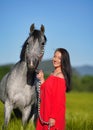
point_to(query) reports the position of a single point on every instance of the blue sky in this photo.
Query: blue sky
(68, 24)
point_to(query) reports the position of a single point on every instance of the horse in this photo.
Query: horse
(17, 88)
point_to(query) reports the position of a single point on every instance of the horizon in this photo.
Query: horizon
(83, 65)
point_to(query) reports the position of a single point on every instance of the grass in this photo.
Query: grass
(79, 114)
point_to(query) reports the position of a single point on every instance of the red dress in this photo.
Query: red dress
(53, 100)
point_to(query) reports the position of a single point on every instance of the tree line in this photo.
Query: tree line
(79, 83)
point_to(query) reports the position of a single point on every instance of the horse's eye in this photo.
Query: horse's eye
(43, 43)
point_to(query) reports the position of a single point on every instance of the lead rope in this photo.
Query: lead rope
(43, 122)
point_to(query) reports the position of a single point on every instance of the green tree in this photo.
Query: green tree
(87, 83)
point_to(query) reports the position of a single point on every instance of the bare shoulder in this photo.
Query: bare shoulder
(60, 75)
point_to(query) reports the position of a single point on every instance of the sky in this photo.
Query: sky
(68, 24)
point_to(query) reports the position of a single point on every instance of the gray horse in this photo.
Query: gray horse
(17, 88)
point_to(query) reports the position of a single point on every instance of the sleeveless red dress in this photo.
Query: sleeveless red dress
(53, 101)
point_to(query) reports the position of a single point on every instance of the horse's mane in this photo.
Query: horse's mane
(22, 54)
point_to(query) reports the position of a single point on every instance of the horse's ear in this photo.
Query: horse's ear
(32, 28)
(42, 29)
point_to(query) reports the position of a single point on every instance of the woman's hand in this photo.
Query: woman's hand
(40, 76)
(52, 122)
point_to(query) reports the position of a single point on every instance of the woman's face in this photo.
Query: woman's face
(57, 59)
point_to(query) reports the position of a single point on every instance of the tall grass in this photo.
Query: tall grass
(79, 114)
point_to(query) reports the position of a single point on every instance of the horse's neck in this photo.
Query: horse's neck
(19, 70)
(22, 67)
(28, 75)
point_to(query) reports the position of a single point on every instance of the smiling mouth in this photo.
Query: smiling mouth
(55, 63)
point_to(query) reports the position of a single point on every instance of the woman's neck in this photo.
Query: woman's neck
(57, 71)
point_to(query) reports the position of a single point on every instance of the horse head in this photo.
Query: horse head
(33, 48)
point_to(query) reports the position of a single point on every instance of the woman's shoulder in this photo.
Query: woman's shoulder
(57, 77)
(60, 75)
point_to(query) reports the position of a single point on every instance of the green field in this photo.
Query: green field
(79, 114)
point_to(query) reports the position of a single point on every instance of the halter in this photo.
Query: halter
(42, 121)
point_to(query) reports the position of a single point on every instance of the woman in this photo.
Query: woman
(53, 92)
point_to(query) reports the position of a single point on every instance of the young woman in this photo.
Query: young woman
(53, 92)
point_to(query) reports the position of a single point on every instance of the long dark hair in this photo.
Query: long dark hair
(65, 67)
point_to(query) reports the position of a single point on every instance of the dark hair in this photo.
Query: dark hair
(65, 67)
